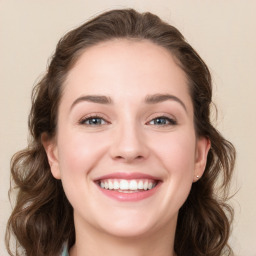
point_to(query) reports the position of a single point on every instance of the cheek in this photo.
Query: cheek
(78, 152)
(177, 152)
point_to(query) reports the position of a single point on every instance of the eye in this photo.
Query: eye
(162, 121)
(93, 121)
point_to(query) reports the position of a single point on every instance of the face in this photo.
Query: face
(126, 149)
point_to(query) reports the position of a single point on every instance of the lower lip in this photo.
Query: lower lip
(128, 197)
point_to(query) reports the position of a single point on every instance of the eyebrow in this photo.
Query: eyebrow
(92, 98)
(150, 99)
(158, 98)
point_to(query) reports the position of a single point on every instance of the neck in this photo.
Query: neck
(93, 242)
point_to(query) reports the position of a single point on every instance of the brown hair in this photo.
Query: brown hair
(42, 219)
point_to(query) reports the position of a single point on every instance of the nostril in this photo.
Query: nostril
(128, 158)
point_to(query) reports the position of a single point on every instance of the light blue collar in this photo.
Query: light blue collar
(65, 251)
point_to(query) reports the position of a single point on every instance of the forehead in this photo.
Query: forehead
(123, 67)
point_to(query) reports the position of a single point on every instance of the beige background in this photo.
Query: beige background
(222, 31)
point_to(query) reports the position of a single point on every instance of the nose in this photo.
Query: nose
(129, 144)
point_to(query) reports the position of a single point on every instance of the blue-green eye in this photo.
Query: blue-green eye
(162, 121)
(93, 121)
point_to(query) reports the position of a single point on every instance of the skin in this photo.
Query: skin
(126, 139)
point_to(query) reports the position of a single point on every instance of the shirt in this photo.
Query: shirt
(65, 251)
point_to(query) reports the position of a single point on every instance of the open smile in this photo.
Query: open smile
(128, 187)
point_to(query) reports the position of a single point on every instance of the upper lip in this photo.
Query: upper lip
(127, 176)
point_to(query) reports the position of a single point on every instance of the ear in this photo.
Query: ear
(52, 154)
(203, 146)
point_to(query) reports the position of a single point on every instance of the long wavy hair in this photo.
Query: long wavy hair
(42, 219)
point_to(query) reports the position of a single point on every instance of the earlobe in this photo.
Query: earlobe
(202, 148)
(50, 148)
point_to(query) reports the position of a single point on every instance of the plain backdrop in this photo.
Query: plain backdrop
(222, 31)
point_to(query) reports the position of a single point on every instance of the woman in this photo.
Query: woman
(123, 158)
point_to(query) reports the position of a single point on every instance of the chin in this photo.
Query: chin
(134, 224)
(129, 231)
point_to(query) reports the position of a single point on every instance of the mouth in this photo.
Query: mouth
(128, 187)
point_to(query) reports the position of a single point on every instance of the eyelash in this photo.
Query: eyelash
(90, 118)
(167, 121)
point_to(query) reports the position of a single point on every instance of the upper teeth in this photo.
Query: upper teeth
(127, 184)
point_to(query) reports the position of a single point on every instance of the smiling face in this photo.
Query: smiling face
(125, 148)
